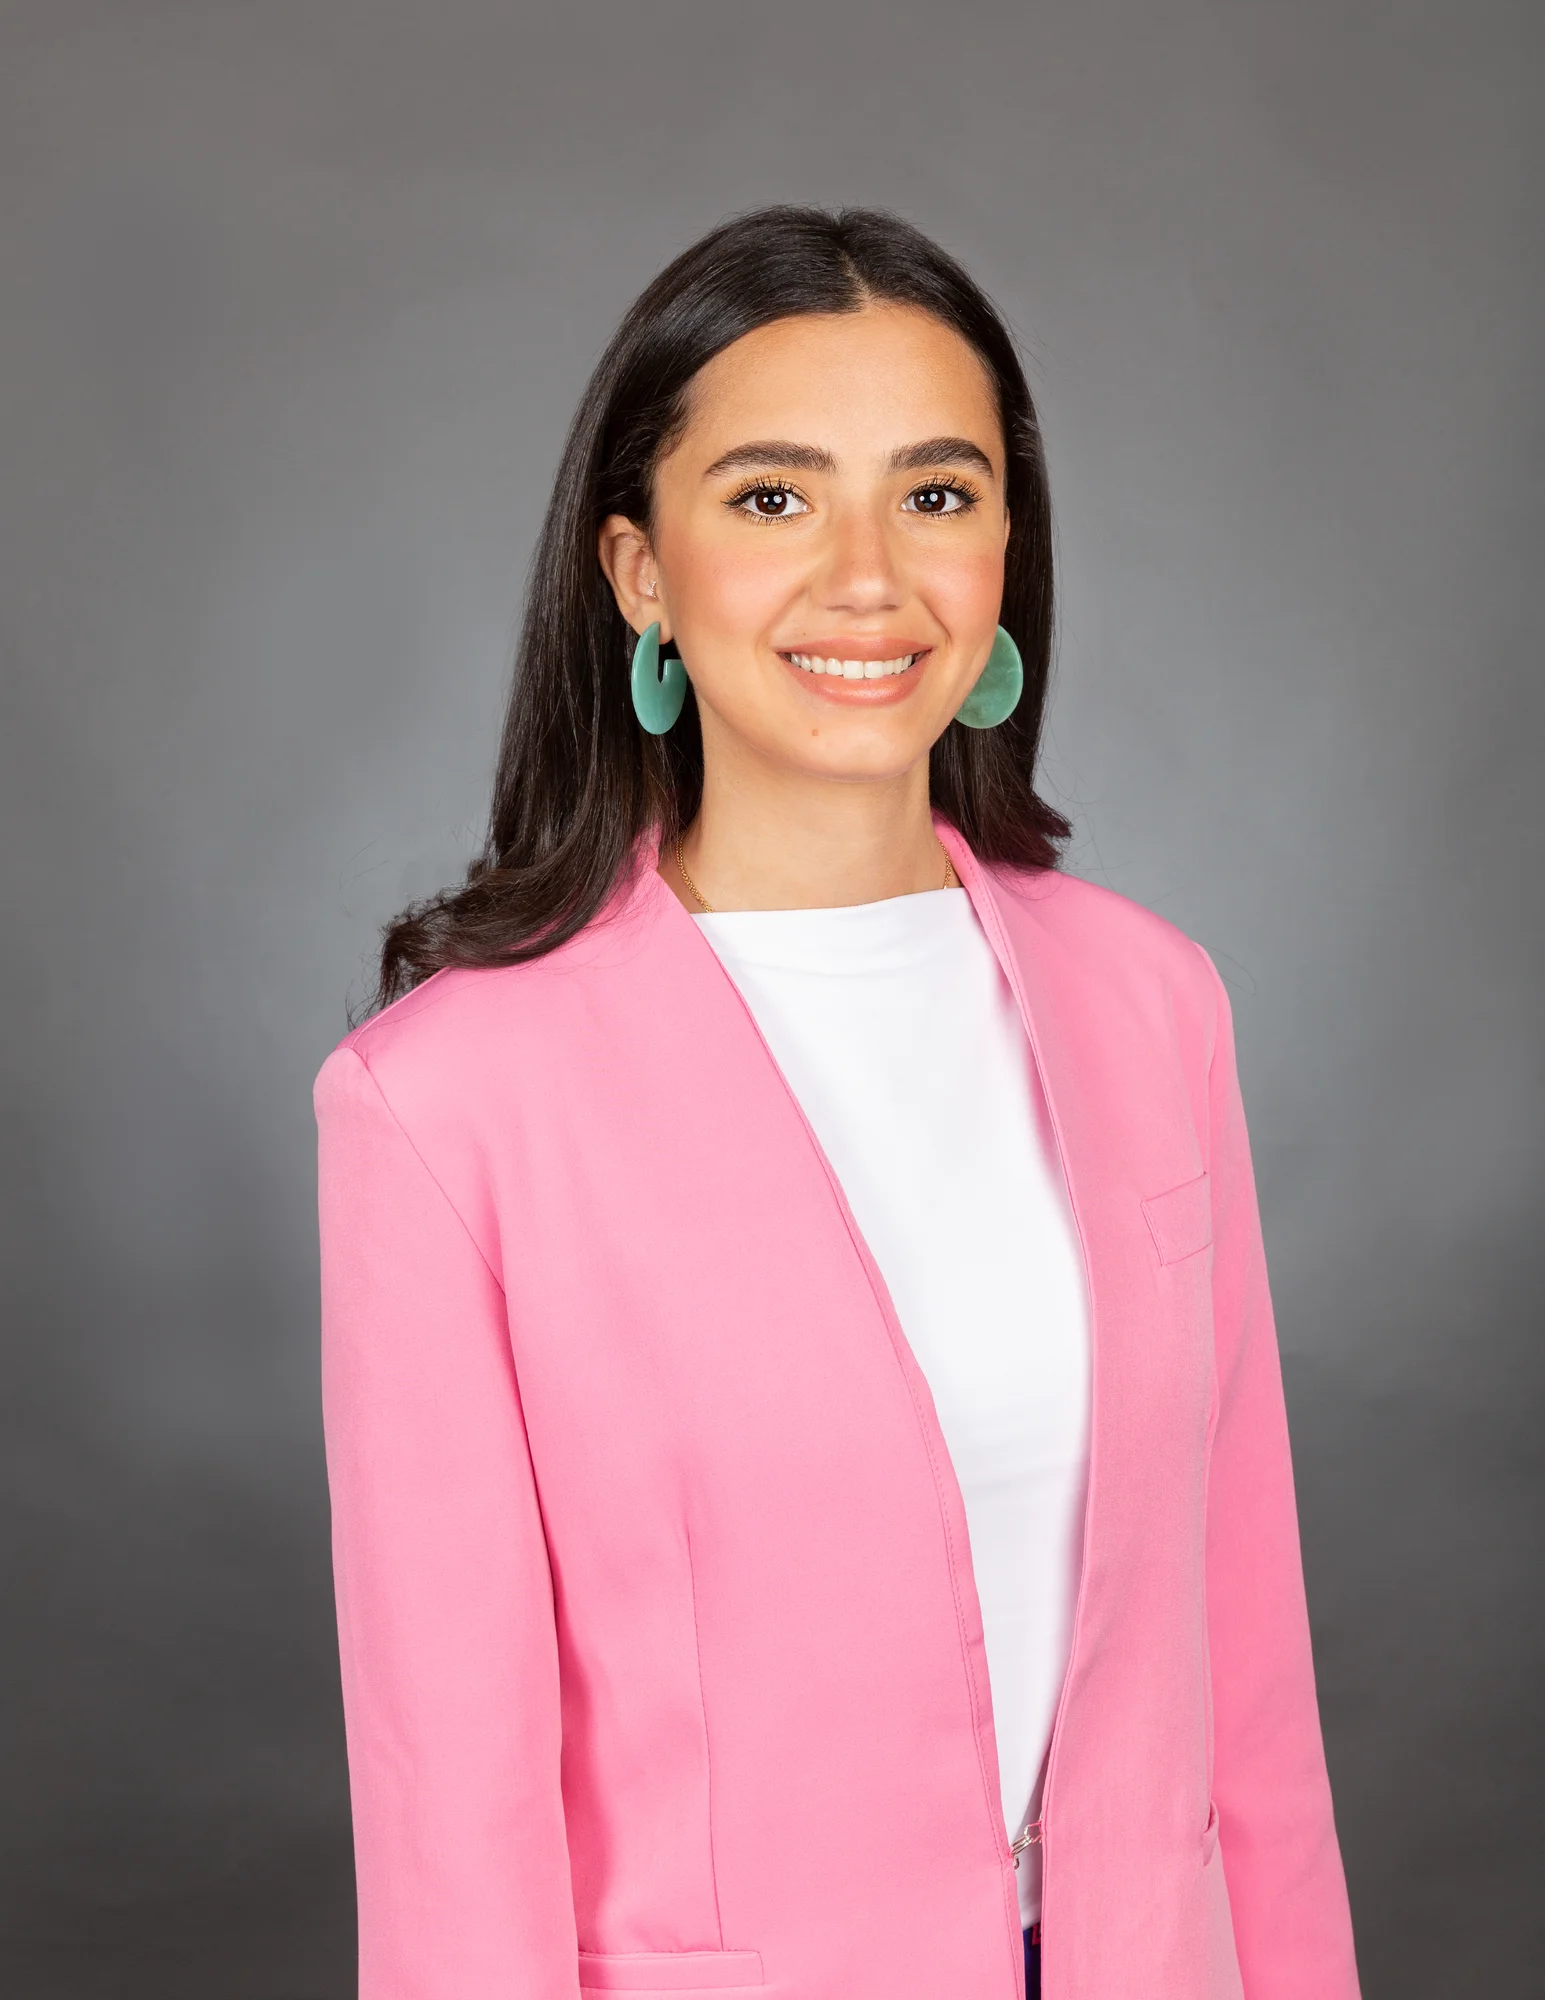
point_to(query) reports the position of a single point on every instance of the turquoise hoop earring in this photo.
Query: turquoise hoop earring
(658, 692)
(998, 687)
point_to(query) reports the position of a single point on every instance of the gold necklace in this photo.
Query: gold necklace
(951, 879)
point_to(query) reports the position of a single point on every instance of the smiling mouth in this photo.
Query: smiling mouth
(853, 670)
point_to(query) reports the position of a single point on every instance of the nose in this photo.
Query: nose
(858, 571)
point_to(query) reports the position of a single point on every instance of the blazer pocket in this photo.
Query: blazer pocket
(1210, 1834)
(668, 1972)
(1180, 1219)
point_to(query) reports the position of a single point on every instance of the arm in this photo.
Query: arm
(445, 1610)
(1276, 1833)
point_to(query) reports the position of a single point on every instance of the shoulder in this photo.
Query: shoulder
(432, 1046)
(435, 1052)
(1103, 935)
(1102, 918)
(416, 1033)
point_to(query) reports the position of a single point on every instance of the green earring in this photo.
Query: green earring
(998, 687)
(657, 693)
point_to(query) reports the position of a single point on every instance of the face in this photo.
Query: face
(828, 543)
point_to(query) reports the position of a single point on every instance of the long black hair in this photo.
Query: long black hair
(578, 780)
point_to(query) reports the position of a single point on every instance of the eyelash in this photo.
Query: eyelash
(738, 500)
(969, 496)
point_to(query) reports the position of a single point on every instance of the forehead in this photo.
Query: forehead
(858, 384)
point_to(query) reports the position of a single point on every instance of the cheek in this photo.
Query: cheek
(742, 591)
(963, 583)
(730, 584)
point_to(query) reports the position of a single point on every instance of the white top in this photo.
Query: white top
(899, 1036)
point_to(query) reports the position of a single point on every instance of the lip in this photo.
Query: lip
(889, 646)
(878, 692)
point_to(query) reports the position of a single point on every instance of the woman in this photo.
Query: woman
(812, 1498)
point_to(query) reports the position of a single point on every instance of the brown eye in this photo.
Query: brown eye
(770, 503)
(935, 500)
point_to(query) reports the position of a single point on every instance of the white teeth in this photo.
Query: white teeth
(852, 670)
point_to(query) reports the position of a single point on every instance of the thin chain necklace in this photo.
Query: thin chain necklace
(951, 879)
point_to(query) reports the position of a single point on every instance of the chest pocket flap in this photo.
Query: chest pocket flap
(1180, 1219)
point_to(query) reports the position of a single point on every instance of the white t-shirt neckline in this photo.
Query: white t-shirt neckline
(847, 938)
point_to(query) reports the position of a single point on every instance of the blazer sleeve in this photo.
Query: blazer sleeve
(1276, 1830)
(446, 1629)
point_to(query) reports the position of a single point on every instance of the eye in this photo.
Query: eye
(773, 502)
(941, 497)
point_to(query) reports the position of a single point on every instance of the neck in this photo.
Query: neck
(790, 841)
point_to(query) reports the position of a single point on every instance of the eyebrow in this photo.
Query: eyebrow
(812, 458)
(941, 451)
(774, 451)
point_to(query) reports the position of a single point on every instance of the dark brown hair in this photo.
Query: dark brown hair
(578, 780)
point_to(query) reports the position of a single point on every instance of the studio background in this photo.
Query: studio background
(298, 300)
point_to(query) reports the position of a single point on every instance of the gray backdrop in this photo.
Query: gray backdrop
(298, 299)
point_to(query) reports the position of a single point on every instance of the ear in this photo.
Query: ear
(633, 574)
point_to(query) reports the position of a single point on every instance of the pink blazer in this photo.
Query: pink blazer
(662, 1659)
